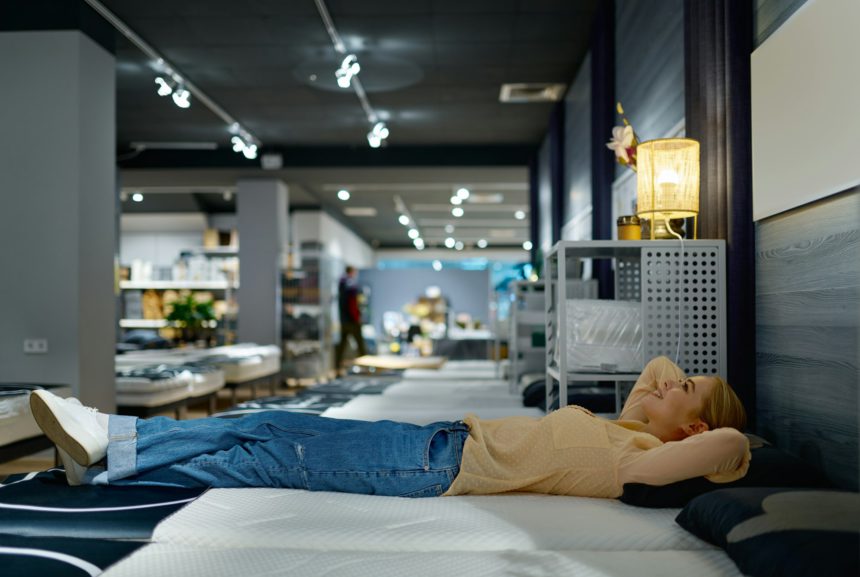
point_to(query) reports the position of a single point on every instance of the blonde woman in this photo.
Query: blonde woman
(673, 427)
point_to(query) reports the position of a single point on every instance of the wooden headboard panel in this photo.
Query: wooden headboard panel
(807, 325)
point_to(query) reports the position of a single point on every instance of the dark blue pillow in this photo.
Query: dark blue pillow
(769, 467)
(782, 531)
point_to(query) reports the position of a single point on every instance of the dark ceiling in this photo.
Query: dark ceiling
(432, 69)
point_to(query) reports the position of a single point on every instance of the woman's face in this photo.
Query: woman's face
(675, 404)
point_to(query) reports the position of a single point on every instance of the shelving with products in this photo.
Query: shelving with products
(205, 274)
(526, 338)
(675, 289)
(306, 323)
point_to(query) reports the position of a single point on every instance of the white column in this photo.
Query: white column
(57, 228)
(261, 207)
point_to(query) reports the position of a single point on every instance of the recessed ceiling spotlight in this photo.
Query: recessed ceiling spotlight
(482, 243)
(404, 220)
(449, 228)
(137, 197)
(527, 245)
(437, 265)
(455, 200)
(463, 193)
(450, 242)
(459, 245)
(343, 194)
(419, 243)
(457, 211)
(227, 195)
(519, 215)
(413, 233)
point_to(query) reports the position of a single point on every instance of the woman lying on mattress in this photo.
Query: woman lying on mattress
(671, 428)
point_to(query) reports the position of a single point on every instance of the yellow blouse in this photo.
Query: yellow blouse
(573, 452)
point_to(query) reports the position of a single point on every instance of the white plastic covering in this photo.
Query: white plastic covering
(604, 336)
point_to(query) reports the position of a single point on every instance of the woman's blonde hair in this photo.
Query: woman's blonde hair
(723, 408)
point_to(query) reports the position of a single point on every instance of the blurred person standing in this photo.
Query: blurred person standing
(350, 315)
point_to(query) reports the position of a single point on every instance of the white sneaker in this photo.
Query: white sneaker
(74, 472)
(74, 428)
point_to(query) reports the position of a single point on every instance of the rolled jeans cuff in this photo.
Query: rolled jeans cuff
(122, 447)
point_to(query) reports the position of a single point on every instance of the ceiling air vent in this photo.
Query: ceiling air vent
(531, 92)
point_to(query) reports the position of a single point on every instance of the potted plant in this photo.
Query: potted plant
(193, 318)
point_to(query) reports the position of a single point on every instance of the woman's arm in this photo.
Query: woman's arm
(721, 456)
(655, 371)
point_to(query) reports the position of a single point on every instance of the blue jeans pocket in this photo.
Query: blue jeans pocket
(431, 491)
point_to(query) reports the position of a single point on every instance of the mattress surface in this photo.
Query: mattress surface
(185, 561)
(60, 556)
(206, 382)
(152, 399)
(44, 505)
(151, 385)
(451, 373)
(16, 420)
(395, 362)
(225, 518)
(425, 415)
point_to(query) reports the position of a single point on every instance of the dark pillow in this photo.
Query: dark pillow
(782, 531)
(769, 467)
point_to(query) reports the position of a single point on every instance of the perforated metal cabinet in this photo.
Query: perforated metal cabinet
(680, 287)
(528, 312)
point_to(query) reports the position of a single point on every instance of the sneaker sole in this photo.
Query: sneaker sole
(43, 413)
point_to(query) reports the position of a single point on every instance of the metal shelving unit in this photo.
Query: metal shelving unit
(527, 314)
(307, 321)
(678, 285)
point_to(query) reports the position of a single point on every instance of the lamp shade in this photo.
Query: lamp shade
(667, 181)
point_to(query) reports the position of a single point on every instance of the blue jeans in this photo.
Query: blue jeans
(283, 449)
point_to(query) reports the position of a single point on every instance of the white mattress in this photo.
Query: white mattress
(153, 398)
(188, 561)
(426, 401)
(239, 370)
(449, 388)
(447, 372)
(145, 385)
(420, 415)
(246, 361)
(271, 518)
(204, 383)
(16, 420)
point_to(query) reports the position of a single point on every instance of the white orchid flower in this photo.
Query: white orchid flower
(622, 140)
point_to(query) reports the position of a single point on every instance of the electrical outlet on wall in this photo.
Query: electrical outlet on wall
(35, 346)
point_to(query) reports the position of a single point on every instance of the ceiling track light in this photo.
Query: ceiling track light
(181, 97)
(165, 87)
(347, 75)
(168, 73)
(377, 135)
(349, 68)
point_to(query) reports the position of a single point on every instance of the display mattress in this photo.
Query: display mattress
(308, 520)
(255, 531)
(395, 362)
(242, 363)
(16, 420)
(190, 561)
